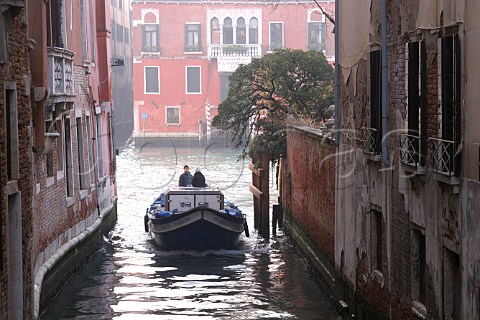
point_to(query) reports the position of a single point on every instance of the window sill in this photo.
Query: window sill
(173, 124)
(450, 180)
(70, 201)
(50, 181)
(193, 52)
(419, 310)
(193, 93)
(83, 193)
(60, 175)
(378, 276)
(373, 157)
(415, 169)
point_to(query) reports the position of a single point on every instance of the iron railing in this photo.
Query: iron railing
(410, 150)
(370, 140)
(445, 157)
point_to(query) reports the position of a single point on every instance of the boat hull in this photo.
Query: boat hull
(200, 228)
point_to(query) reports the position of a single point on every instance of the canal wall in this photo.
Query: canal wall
(308, 197)
(69, 257)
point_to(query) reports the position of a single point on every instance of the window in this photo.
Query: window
(92, 31)
(150, 38)
(450, 95)
(59, 142)
(224, 86)
(253, 31)
(413, 144)
(193, 80)
(68, 158)
(127, 35)
(49, 128)
(418, 254)
(376, 240)
(316, 35)
(192, 37)
(55, 24)
(119, 32)
(99, 145)
(374, 138)
(227, 31)
(241, 32)
(173, 115)
(12, 133)
(215, 31)
(80, 154)
(452, 285)
(84, 30)
(152, 80)
(90, 149)
(276, 35)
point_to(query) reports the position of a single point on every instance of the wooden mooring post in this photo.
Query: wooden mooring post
(261, 196)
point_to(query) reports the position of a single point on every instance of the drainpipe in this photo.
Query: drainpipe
(337, 74)
(384, 85)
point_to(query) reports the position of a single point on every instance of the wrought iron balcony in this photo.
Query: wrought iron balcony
(445, 157)
(234, 50)
(371, 141)
(60, 74)
(410, 149)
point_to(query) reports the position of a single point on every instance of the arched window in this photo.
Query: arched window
(241, 31)
(253, 31)
(215, 31)
(227, 31)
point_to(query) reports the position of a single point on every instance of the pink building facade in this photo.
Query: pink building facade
(185, 52)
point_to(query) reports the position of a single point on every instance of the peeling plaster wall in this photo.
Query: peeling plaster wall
(445, 213)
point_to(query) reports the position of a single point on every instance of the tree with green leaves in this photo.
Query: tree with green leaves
(269, 93)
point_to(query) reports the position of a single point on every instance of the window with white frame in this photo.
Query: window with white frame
(150, 38)
(172, 115)
(316, 30)
(253, 31)
(192, 37)
(241, 31)
(193, 79)
(227, 31)
(80, 153)
(152, 80)
(276, 35)
(68, 158)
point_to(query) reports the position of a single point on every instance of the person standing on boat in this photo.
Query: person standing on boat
(198, 179)
(186, 177)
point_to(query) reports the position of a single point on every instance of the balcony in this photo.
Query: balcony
(445, 157)
(411, 154)
(234, 50)
(371, 143)
(60, 71)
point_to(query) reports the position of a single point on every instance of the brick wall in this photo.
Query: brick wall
(16, 70)
(311, 194)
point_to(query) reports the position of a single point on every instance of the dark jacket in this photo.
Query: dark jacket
(185, 179)
(198, 180)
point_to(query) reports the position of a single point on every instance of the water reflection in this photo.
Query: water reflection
(129, 278)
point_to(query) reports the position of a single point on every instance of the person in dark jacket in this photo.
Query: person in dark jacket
(186, 177)
(198, 179)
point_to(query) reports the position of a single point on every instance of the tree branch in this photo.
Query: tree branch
(329, 17)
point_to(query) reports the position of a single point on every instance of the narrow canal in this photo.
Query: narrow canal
(129, 278)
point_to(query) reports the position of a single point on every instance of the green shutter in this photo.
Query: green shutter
(143, 36)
